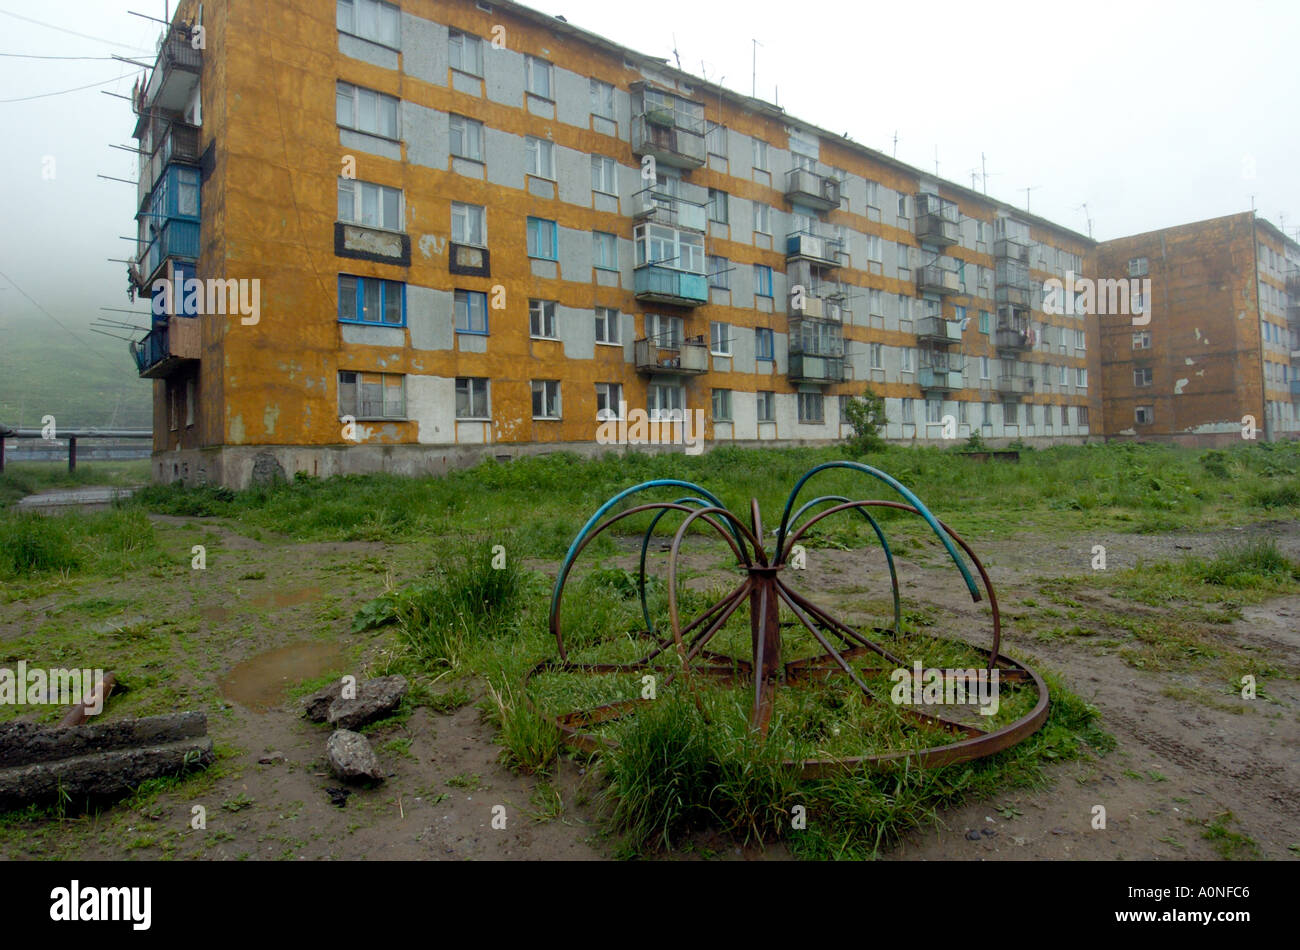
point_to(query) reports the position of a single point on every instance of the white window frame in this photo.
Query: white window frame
(609, 326)
(468, 43)
(535, 67)
(661, 409)
(725, 415)
(765, 405)
(761, 155)
(549, 390)
(468, 128)
(604, 175)
(541, 313)
(762, 218)
(539, 156)
(473, 391)
(367, 19)
(387, 410)
(602, 241)
(719, 338)
(466, 219)
(600, 92)
(612, 395)
(355, 95)
(358, 190)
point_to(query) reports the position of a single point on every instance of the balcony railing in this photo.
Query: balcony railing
(177, 239)
(938, 330)
(179, 143)
(1295, 388)
(825, 307)
(167, 346)
(938, 378)
(687, 211)
(1012, 338)
(805, 187)
(937, 220)
(816, 337)
(1015, 385)
(1293, 314)
(811, 246)
(931, 278)
(816, 369)
(687, 358)
(175, 74)
(1011, 250)
(657, 284)
(672, 144)
(1293, 282)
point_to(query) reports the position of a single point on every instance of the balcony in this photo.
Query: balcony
(178, 143)
(177, 239)
(1295, 389)
(810, 246)
(806, 368)
(167, 346)
(1293, 283)
(1015, 385)
(937, 220)
(673, 137)
(939, 379)
(687, 211)
(1012, 338)
(828, 306)
(687, 358)
(938, 330)
(1011, 250)
(656, 284)
(1293, 314)
(804, 186)
(175, 74)
(934, 279)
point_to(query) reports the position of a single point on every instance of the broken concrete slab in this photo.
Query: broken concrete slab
(375, 699)
(100, 761)
(351, 758)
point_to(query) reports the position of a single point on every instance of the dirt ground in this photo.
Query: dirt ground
(1180, 766)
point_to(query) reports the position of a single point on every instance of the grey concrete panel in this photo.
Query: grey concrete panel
(429, 317)
(361, 142)
(367, 52)
(504, 76)
(424, 49)
(426, 135)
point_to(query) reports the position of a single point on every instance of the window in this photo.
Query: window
(604, 175)
(366, 110)
(466, 138)
(719, 272)
(537, 75)
(664, 402)
(659, 246)
(371, 205)
(1139, 267)
(985, 369)
(1081, 416)
(720, 338)
(812, 408)
(541, 319)
(909, 412)
(764, 347)
(762, 280)
(984, 321)
(468, 224)
(370, 300)
(604, 250)
(875, 302)
(959, 314)
(1010, 413)
(1142, 376)
(1081, 377)
(722, 405)
(472, 398)
(541, 239)
(369, 19)
(902, 206)
(372, 395)
(766, 406)
(718, 208)
(903, 263)
(877, 356)
(1064, 379)
(963, 413)
(546, 399)
(602, 99)
(471, 312)
(664, 331)
(933, 410)
(760, 155)
(187, 192)
(607, 325)
(1143, 415)
(539, 158)
(904, 307)
(715, 139)
(465, 53)
(762, 218)
(905, 359)
(1080, 340)
(875, 248)
(873, 194)
(609, 398)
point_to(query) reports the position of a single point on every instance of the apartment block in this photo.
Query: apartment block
(423, 233)
(1216, 352)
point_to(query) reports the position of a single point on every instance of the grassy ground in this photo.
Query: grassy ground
(27, 478)
(463, 630)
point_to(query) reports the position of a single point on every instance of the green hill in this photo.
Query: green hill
(82, 380)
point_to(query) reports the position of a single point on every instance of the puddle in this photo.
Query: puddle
(260, 683)
(287, 598)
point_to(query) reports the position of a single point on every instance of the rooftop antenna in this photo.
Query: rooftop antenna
(936, 161)
(676, 55)
(754, 94)
(895, 143)
(1027, 191)
(1087, 217)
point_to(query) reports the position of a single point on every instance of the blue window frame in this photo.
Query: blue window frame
(541, 239)
(960, 314)
(372, 301)
(763, 346)
(471, 312)
(762, 280)
(984, 321)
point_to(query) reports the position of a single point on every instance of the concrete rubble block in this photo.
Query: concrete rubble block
(316, 707)
(351, 758)
(40, 764)
(375, 699)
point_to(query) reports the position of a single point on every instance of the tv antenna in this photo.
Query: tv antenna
(1027, 191)
(1086, 216)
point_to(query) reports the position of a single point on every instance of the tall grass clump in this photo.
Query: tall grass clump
(107, 542)
(1251, 564)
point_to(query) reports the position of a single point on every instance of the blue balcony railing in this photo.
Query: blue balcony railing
(666, 285)
(177, 239)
